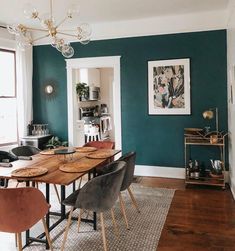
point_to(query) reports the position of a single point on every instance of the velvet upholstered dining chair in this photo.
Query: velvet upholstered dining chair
(97, 195)
(26, 153)
(20, 209)
(129, 158)
(5, 160)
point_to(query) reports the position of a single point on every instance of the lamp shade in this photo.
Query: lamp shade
(208, 114)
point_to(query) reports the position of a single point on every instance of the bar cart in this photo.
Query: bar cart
(197, 137)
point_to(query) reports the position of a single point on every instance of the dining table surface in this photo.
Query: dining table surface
(53, 162)
(55, 176)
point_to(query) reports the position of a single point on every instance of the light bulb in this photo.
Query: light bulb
(13, 29)
(30, 11)
(67, 51)
(84, 30)
(47, 21)
(23, 42)
(72, 11)
(85, 41)
(60, 44)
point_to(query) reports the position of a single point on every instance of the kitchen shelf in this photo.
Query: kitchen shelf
(205, 140)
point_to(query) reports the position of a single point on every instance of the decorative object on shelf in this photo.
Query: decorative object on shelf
(55, 142)
(82, 91)
(51, 29)
(169, 87)
(210, 114)
(217, 166)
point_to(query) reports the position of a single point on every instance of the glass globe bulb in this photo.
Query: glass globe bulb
(59, 45)
(84, 30)
(46, 20)
(73, 10)
(13, 29)
(67, 51)
(85, 41)
(30, 11)
(22, 42)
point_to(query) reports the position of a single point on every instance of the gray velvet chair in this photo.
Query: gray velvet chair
(97, 195)
(129, 158)
(5, 160)
(24, 151)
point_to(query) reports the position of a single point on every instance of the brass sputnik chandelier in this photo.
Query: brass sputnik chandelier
(51, 29)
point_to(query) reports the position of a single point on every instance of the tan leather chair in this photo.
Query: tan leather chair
(101, 144)
(20, 209)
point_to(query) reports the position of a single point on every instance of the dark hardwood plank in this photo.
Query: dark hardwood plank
(199, 218)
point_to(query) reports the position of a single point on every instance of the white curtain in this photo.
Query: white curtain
(24, 74)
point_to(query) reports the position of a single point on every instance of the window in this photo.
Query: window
(8, 113)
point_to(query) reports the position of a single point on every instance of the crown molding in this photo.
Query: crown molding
(203, 21)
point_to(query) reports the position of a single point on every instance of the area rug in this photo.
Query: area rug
(145, 227)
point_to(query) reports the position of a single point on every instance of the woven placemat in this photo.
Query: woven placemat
(76, 167)
(48, 152)
(101, 154)
(86, 149)
(27, 172)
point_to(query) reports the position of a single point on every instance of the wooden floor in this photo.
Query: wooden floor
(199, 218)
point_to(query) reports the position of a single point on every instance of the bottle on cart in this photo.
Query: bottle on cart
(191, 169)
(196, 170)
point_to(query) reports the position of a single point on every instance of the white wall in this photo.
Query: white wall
(106, 91)
(231, 100)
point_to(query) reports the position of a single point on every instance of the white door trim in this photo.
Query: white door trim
(94, 62)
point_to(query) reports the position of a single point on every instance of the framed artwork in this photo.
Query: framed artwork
(169, 87)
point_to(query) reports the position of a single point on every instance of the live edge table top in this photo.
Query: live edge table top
(53, 163)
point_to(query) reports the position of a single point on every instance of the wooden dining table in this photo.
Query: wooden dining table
(55, 176)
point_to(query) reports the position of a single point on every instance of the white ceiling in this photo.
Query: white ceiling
(104, 11)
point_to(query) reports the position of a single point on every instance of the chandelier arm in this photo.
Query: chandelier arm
(61, 22)
(36, 29)
(38, 38)
(66, 34)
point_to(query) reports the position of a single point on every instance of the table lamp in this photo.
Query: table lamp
(210, 114)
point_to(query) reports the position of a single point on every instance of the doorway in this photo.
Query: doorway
(74, 64)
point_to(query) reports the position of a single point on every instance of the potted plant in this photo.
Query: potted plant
(82, 91)
(55, 142)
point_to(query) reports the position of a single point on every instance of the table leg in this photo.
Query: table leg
(62, 196)
(27, 234)
(48, 214)
(74, 186)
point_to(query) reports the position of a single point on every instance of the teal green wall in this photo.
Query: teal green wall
(158, 140)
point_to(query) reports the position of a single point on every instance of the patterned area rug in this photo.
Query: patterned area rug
(145, 227)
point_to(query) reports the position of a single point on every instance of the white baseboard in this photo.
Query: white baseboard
(160, 171)
(170, 172)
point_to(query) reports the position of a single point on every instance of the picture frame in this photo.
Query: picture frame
(169, 87)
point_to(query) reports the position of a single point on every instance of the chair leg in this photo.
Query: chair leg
(114, 223)
(133, 199)
(67, 228)
(103, 232)
(19, 241)
(80, 183)
(47, 233)
(79, 218)
(57, 193)
(123, 210)
(16, 240)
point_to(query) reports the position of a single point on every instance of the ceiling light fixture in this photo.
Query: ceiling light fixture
(51, 28)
